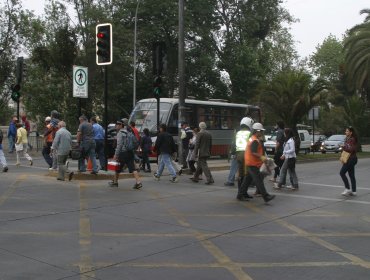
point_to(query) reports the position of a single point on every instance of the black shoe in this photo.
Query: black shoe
(269, 197)
(248, 196)
(60, 179)
(138, 186)
(195, 180)
(113, 184)
(180, 172)
(209, 182)
(70, 176)
(5, 169)
(94, 173)
(242, 197)
(228, 184)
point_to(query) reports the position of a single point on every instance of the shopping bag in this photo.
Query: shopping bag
(19, 147)
(344, 157)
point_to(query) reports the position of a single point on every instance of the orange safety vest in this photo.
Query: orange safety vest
(249, 158)
(50, 136)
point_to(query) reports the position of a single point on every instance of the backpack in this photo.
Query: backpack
(131, 143)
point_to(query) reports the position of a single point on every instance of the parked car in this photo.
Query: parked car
(270, 145)
(333, 144)
(315, 147)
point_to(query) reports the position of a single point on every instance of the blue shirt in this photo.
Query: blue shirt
(12, 131)
(98, 131)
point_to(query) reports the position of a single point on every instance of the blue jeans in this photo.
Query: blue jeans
(233, 168)
(165, 160)
(349, 167)
(87, 151)
(11, 142)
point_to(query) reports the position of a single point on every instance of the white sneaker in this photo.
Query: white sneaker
(276, 186)
(353, 193)
(346, 192)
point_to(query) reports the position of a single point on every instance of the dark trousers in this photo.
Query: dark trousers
(185, 152)
(279, 163)
(145, 160)
(349, 167)
(192, 165)
(203, 166)
(46, 154)
(99, 150)
(254, 175)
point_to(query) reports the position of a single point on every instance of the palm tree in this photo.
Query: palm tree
(291, 94)
(357, 55)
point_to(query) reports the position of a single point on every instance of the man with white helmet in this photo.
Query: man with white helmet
(254, 158)
(241, 141)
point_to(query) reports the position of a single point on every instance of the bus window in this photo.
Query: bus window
(173, 120)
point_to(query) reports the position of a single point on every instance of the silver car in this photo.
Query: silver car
(333, 144)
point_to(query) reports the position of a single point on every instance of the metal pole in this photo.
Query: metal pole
(106, 115)
(181, 62)
(313, 129)
(135, 67)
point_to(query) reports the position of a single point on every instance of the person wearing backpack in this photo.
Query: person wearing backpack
(165, 147)
(124, 154)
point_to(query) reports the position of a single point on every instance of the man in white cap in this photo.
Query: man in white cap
(254, 158)
(202, 150)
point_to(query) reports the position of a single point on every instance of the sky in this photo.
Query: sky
(317, 19)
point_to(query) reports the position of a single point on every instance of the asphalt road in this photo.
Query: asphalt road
(86, 230)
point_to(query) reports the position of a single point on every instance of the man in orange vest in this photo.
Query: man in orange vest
(254, 158)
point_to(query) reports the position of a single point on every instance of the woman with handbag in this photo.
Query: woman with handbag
(289, 158)
(22, 144)
(350, 146)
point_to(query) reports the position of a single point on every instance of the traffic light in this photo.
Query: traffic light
(104, 44)
(19, 70)
(159, 58)
(16, 95)
(157, 87)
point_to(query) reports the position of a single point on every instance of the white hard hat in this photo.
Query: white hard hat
(258, 127)
(47, 119)
(247, 121)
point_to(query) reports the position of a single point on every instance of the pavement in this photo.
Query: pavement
(83, 229)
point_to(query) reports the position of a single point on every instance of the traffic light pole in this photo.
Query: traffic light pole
(106, 115)
(158, 113)
(181, 114)
(18, 109)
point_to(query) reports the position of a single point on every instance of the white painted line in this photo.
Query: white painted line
(349, 200)
(330, 186)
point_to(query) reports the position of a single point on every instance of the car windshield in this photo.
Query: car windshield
(337, 138)
(272, 138)
(145, 115)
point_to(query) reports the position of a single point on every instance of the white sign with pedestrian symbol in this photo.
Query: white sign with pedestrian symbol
(80, 79)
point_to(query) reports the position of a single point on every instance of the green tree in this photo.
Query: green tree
(327, 60)
(291, 94)
(357, 57)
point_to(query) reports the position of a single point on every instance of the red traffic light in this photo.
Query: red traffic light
(100, 35)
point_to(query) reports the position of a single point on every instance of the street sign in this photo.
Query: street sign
(80, 81)
(313, 114)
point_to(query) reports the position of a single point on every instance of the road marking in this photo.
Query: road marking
(331, 247)
(330, 186)
(218, 265)
(8, 193)
(345, 200)
(222, 259)
(86, 264)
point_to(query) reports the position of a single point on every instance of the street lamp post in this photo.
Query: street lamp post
(135, 67)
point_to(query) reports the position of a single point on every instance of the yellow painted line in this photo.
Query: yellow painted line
(222, 259)
(218, 265)
(335, 249)
(129, 234)
(44, 233)
(86, 263)
(8, 193)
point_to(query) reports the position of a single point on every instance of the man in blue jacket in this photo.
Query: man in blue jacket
(12, 133)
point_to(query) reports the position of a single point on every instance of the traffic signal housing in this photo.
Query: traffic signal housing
(16, 95)
(157, 87)
(104, 44)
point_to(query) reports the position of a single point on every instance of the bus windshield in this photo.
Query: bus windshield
(145, 115)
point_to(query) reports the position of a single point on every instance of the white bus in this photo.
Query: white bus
(222, 118)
